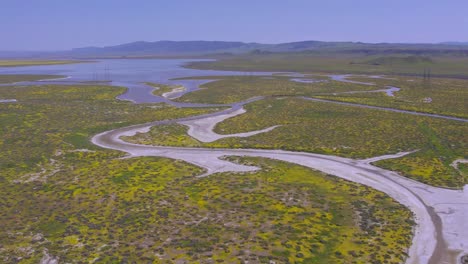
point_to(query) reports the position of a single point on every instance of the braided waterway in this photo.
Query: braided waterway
(441, 233)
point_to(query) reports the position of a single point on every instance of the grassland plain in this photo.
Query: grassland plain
(18, 63)
(443, 66)
(153, 209)
(79, 203)
(340, 130)
(437, 95)
(47, 119)
(230, 89)
(359, 133)
(12, 78)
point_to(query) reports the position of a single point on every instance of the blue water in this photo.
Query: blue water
(130, 73)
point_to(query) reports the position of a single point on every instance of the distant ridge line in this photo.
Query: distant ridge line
(203, 47)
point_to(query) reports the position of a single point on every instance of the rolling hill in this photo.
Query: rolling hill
(203, 48)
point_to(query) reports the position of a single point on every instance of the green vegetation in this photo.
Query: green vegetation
(17, 63)
(340, 130)
(357, 133)
(444, 144)
(154, 210)
(391, 60)
(169, 135)
(346, 131)
(230, 89)
(12, 78)
(440, 65)
(463, 168)
(47, 119)
(437, 95)
(84, 204)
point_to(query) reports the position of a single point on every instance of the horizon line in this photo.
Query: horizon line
(449, 42)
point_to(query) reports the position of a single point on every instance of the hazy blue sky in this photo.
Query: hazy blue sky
(64, 24)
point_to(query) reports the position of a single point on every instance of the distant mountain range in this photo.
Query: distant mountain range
(143, 48)
(203, 48)
(455, 43)
(162, 48)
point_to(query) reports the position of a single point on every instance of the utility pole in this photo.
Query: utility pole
(106, 73)
(427, 78)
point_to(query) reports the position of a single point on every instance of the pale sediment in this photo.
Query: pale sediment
(175, 93)
(440, 232)
(202, 129)
(8, 100)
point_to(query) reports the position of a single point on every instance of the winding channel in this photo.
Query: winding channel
(440, 233)
(441, 215)
(387, 109)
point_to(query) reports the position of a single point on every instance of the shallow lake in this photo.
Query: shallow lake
(130, 73)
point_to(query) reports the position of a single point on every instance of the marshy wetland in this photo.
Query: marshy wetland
(69, 199)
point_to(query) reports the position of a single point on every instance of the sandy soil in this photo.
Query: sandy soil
(344, 78)
(389, 91)
(458, 161)
(48, 259)
(384, 157)
(8, 100)
(202, 129)
(176, 92)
